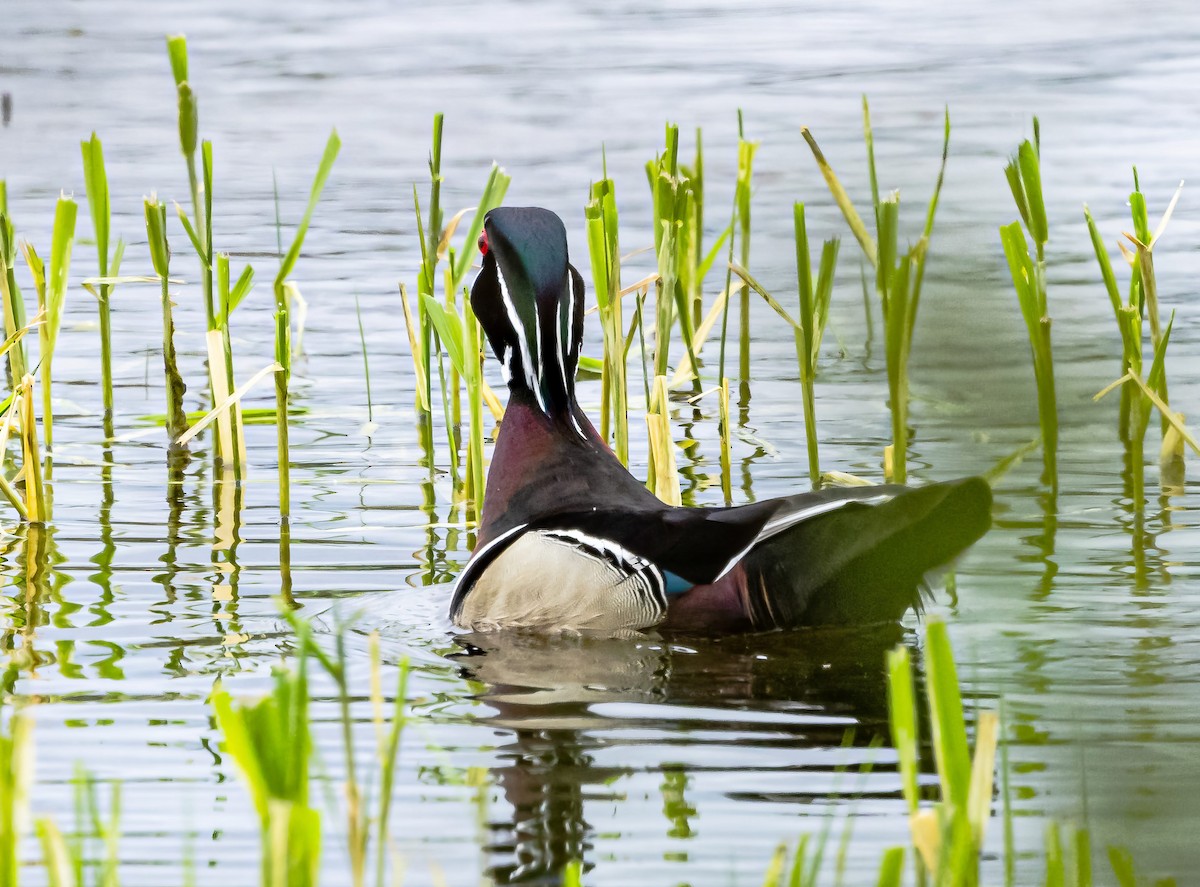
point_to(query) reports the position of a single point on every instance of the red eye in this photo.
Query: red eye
(483, 244)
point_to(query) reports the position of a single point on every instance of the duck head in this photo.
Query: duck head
(529, 301)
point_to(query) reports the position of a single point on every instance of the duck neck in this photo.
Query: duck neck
(549, 463)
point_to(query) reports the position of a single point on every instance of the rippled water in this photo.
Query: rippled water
(657, 763)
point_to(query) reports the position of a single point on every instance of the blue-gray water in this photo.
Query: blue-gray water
(657, 765)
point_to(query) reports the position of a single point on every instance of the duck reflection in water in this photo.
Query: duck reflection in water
(569, 701)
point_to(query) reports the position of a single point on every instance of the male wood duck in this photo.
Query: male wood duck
(570, 540)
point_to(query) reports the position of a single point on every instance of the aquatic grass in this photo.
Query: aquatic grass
(16, 778)
(815, 296)
(804, 868)
(92, 823)
(898, 276)
(1141, 393)
(37, 503)
(270, 742)
(387, 748)
(66, 859)
(10, 297)
(741, 197)
(96, 183)
(662, 476)
(160, 257)
(429, 260)
(726, 457)
(219, 297)
(51, 289)
(674, 206)
(358, 801)
(949, 836)
(199, 227)
(230, 294)
(604, 253)
(1023, 172)
(362, 341)
(284, 292)
(440, 328)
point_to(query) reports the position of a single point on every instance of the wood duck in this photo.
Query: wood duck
(570, 540)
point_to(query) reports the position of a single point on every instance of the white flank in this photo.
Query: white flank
(633, 562)
(467, 575)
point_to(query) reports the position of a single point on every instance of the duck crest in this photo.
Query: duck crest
(529, 300)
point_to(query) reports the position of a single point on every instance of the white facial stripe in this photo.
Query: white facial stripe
(559, 354)
(531, 376)
(575, 345)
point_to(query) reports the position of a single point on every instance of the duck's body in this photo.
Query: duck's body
(570, 540)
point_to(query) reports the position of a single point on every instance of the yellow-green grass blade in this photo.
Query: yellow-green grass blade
(62, 241)
(492, 196)
(332, 146)
(1106, 269)
(842, 199)
(449, 329)
(16, 776)
(767, 297)
(56, 854)
(1031, 179)
(96, 182)
(891, 868)
(869, 141)
(946, 717)
(902, 718)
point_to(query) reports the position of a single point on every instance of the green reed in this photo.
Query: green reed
(362, 341)
(898, 277)
(947, 837)
(815, 295)
(1141, 393)
(360, 817)
(441, 329)
(285, 294)
(270, 741)
(1024, 175)
(16, 777)
(604, 251)
(96, 182)
(741, 215)
(160, 257)
(50, 285)
(199, 227)
(37, 503)
(229, 437)
(674, 201)
(10, 297)
(429, 260)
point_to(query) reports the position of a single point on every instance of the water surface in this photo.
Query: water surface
(656, 762)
